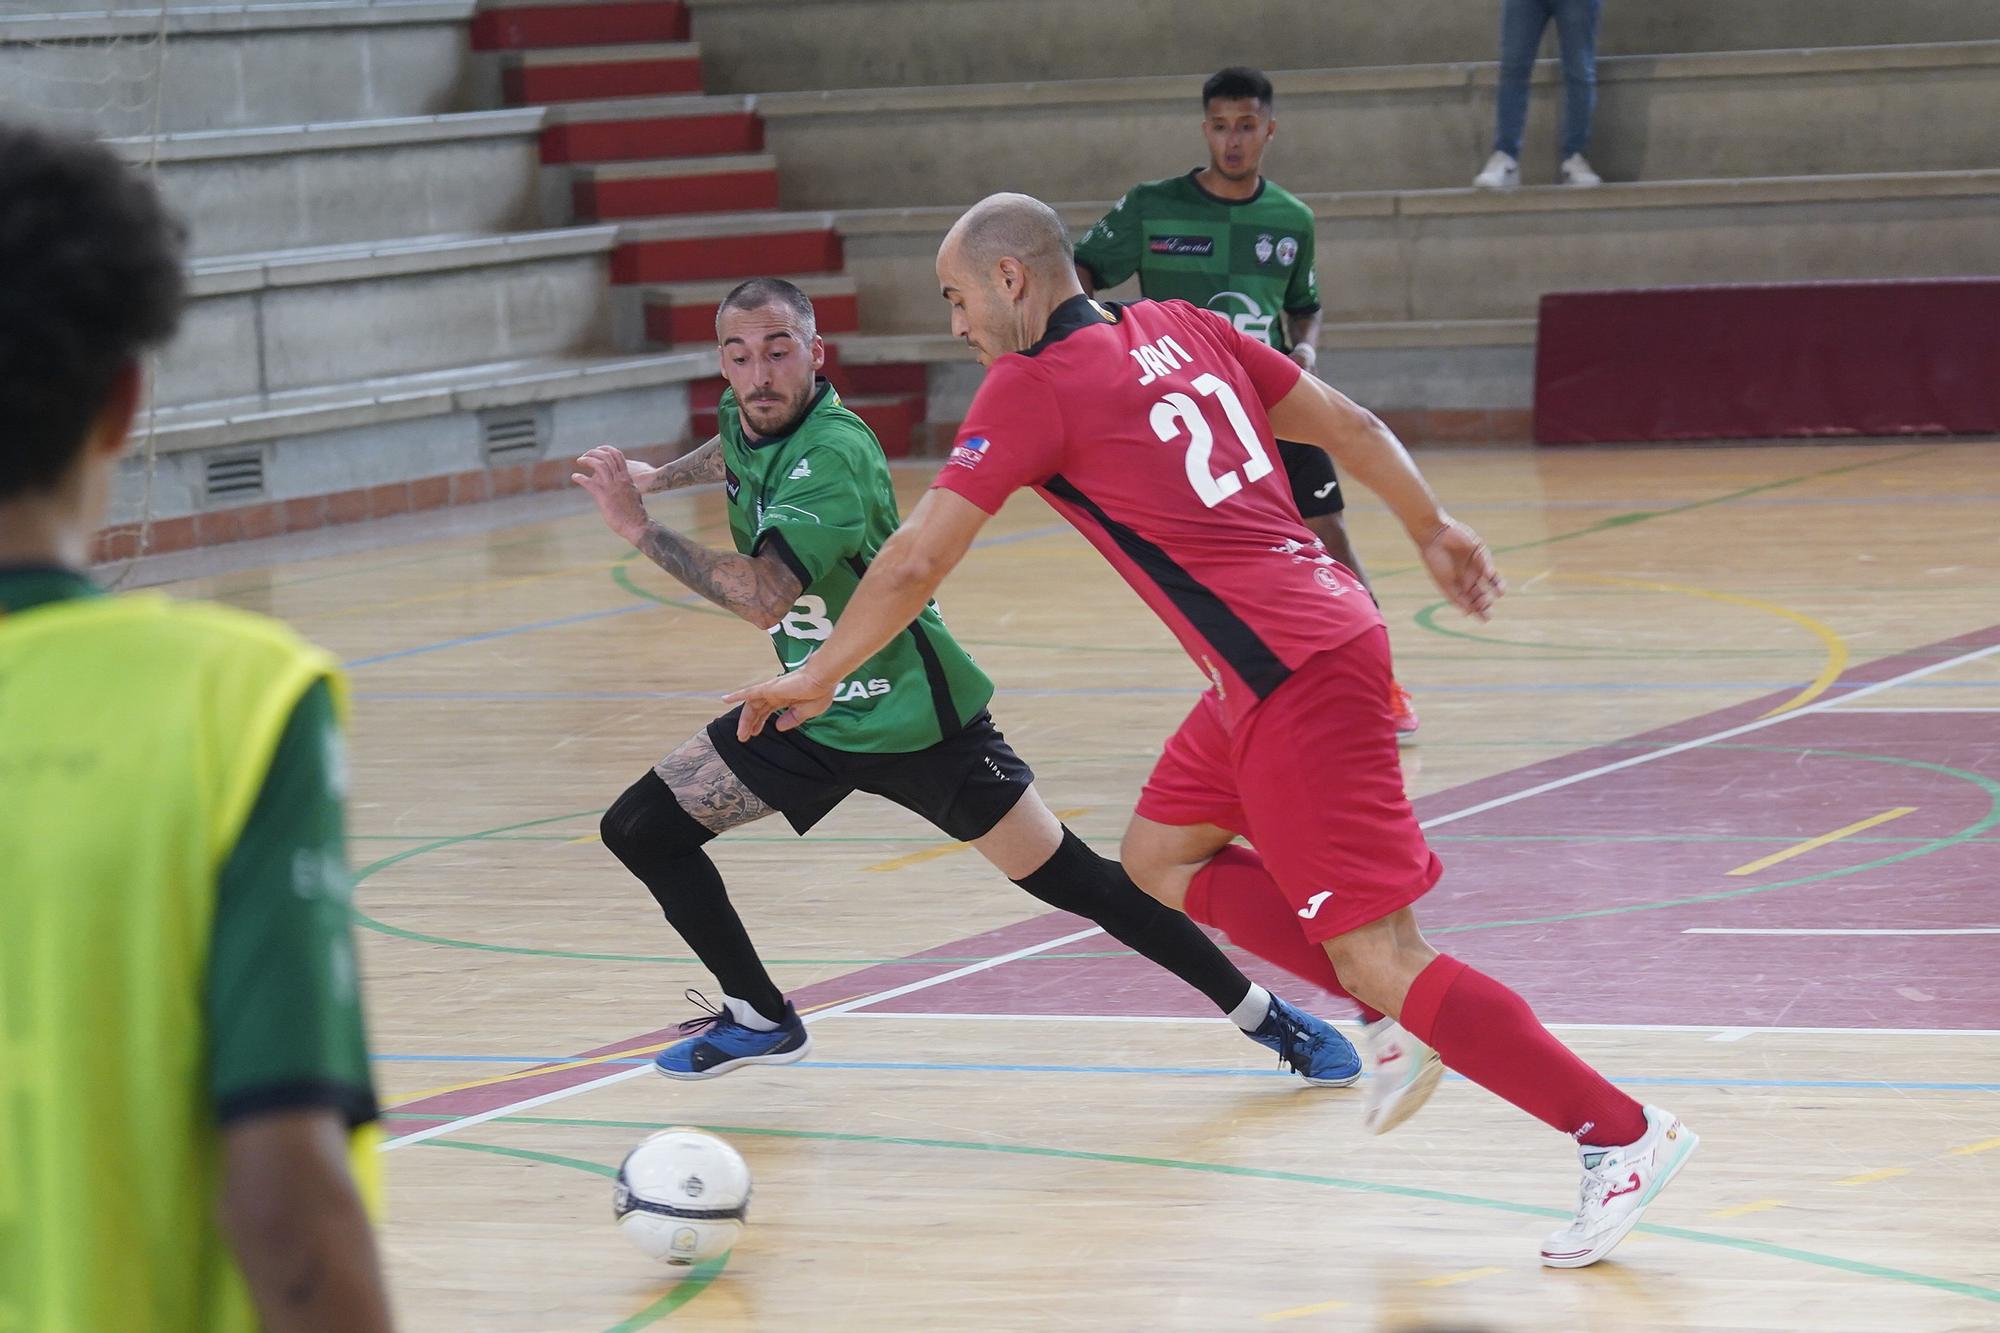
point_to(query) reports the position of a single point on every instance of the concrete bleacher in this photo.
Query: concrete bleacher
(756, 46)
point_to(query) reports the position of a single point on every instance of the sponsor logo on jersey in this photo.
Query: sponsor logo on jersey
(802, 471)
(1193, 247)
(860, 691)
(1288, 251)
(731, 482)
(1264, 248)
(1326, 578)
(1248, 317)
(969, 452)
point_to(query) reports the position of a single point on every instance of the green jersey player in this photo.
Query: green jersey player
(810, 504)
(1226, 238)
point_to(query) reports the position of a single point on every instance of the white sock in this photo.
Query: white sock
(1256, 1007)
(744, 1013)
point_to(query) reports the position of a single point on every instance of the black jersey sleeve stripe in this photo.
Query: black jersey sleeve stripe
(1237, 643)
(948, 721)
(776, 541)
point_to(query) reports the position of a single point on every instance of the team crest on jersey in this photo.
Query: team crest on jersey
(1288, 250)
(1193, 247)
(731, 482)
(1264, 248)
(969, 452)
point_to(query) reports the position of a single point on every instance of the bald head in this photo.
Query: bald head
(1011, 226)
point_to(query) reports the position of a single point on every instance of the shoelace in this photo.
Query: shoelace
(707, 1020)
(1597, 1183)
(1293, 1043)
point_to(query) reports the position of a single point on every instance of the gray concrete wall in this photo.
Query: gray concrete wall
(763, 45)
(239, 205)
(235, 79)
(1460, 255)
(275, 338)
(1426, 127)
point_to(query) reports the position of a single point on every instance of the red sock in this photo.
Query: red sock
(1489, 1034)
(1236, 895)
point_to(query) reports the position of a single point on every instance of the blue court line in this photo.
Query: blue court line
(1866, 1085)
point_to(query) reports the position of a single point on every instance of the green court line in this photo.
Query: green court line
(1927, 846)
(694, 1284)
(1739, 1243)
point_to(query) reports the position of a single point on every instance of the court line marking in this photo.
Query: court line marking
(1865, 711)
(845, 1006)
(1813, 844)
(1745, 1209)
(1301, 1311)
(1773, 930)
(1554, 1027)
(1870, 1177)
(1453, 1279)
(1728, 733)
(950, 848)
(1481, 807)
(1984, 1145)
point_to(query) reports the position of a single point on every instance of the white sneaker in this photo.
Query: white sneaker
(1617, 1188)
(1501, 172)
(1576, 171)
(1405, 1074)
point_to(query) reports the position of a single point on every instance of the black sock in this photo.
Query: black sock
(1078, 880)
(662, 844)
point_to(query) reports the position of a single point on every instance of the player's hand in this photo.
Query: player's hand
(1462, 569)
(642, 475)
(794, 697)
(607, 475)
(1306, 355)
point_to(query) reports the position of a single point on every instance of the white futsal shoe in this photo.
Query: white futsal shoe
(1405, 1074)
(1618, 1186)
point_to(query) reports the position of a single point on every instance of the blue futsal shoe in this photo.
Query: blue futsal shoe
(717, 1043)
(1308, 1046)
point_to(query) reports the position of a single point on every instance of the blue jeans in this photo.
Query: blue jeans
(1521, 25)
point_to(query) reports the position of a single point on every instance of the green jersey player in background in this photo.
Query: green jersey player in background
(810, 503)
(1226, 238)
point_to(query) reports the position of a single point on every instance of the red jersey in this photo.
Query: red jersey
(1146, 426)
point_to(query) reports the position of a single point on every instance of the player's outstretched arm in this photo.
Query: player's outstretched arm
(1316, 413)
(295, 1221)
(697, 467)
(898, 586)
(759, 588)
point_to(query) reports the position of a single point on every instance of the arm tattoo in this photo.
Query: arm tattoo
(706, 788)
(694, 468)
(747, 586)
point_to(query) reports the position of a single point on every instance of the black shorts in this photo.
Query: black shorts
(965, 784)
(1314, 487)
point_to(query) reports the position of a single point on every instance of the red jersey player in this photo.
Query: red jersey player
(1150, 427)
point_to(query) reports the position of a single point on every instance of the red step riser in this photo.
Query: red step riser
(894, 424)
(666, 196)
(541, 85)
(712, 258)
(579, 25)
(897, 379)
(665, 136)
(690, 326)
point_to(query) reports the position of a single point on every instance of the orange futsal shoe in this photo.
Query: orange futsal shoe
(1405, 712)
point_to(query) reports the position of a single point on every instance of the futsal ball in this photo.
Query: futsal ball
(682, 1197)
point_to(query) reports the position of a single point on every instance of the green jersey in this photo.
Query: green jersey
(820, 497)
(1250, 259)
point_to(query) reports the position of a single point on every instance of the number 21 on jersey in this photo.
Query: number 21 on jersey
(1177, 414)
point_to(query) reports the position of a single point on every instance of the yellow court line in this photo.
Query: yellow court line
(588, 837)
(538, 1070)
(1984, 1145)
(1300, 1312)
(1745, 1209)
(1870, 1177)
(1836, 647)
(933, 853)
(1453, 1279)
(1811, 844)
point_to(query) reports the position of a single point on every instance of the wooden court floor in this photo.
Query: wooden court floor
(1719, 789)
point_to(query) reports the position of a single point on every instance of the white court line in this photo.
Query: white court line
(831, 1011)
(1718, 1028)
(1762, 930)
(1651, 755)
(1497, 802)
(1925, 710)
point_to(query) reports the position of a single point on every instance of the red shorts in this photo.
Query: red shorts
(1312, 778)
